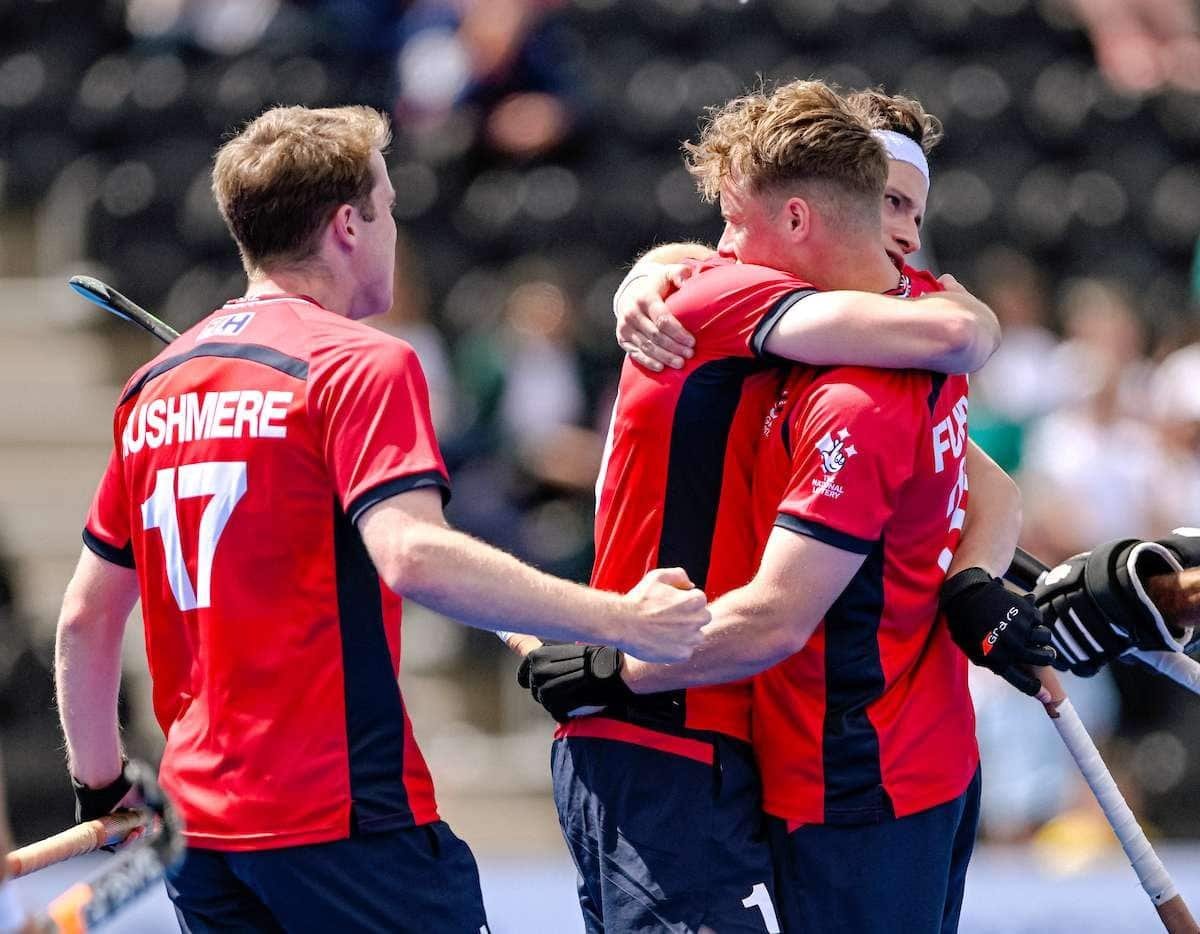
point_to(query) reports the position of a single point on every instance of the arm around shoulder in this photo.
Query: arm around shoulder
(951, 332)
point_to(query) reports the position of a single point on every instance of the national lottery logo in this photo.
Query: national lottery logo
(835, 451)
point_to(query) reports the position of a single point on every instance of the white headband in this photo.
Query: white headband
(903, 148)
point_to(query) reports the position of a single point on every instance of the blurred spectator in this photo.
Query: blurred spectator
(500, 58)
(1091, 468)
(1176, 406)
(1142, 45)
(1016, 385)
(543, 389)
(409, 320)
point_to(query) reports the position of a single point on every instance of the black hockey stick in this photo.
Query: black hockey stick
(117, 304)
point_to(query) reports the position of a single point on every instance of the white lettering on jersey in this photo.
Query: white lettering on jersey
(950, 434)
(234, 413)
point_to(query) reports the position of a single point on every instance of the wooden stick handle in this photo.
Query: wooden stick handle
(83, 838)
(1177, 596)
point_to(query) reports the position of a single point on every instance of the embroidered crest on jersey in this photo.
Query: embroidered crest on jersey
(226, 325)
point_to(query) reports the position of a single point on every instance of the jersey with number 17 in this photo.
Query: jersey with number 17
(243, 456)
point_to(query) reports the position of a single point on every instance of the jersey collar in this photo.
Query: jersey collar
(275, 297)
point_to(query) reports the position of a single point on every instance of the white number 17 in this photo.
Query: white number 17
(225, 482)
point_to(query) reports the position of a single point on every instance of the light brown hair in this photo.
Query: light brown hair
(281, 178)
(899, 114)
(801, 135)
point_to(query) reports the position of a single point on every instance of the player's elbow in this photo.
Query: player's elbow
(796, 636)
(405, 566)
(790, 630)
(411, 562)
(968, 338)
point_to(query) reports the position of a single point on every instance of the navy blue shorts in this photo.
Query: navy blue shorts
(905, 874)
(662, 842)
(417, 880)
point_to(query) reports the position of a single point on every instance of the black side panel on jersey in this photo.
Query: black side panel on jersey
(938, 381)
(374, 711)
(696, 466)
(700, 429)
(256, 353)
(854, 792)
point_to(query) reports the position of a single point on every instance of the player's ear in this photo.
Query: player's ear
(343, 225)
(797, 218)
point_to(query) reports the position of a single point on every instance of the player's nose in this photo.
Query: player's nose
(908, 239)
(725, 244)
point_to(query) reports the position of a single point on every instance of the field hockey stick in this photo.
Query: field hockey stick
(1180, 668)
(82, 838)
(117, 304)
(1156, 881)
(90, 903)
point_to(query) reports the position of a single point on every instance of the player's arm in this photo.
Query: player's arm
(752, 628)
(950, 331)
(994, 513)
(418, 555)
(762, 623)
(87, 667)
(996, 628)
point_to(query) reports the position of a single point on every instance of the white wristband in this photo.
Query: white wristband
(504, 636)
(12, 915)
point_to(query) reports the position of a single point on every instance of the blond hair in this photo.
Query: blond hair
(801, 135)
(899, 114)
(281, 178)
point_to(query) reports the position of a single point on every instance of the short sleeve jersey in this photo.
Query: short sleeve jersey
(674, 484)
(872, 719)
(244, 454)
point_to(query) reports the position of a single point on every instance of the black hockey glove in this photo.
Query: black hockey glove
(1097, 607)
(996, 629)
(574, 679)
(91, 803)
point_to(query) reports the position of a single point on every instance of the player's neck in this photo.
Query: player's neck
(320, 289)
(865, 268)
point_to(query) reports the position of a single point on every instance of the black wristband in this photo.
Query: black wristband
(91, 803)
